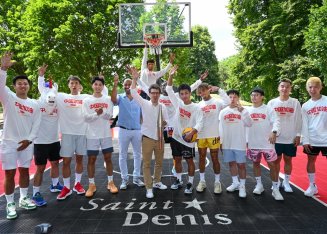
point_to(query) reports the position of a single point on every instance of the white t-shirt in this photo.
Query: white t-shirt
(264, 122)
(186, 116)
(211, 109)
(314, 128)
(289, 113)
(21, 116)
(98, 126)
(232, 125)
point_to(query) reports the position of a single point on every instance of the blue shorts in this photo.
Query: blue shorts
(238, 156)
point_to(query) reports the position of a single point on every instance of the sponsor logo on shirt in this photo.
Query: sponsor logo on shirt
(315, 110)
(184, 113)
(22, 109)
(52, 112)
(284, 110)
(165, 102)
(73, 102)
(98, 105)
(258, 116)
(208, 108)
(232, 117)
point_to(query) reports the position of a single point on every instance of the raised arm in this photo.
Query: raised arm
(143, 86)
(162, 72)
(114, 90)
(169, 88)
(6, 63)
(145, 58)
(40, 80)
(135, 75)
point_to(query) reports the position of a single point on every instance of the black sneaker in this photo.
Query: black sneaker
(189, 188)
(176, 185)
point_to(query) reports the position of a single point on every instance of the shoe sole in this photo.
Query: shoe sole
(42, 204)
(199, 191)
(55, 190)
(113, 192)
(11, 217)
(282, 199)
(160, 188)
(26, 208)
(258, 193)
(79, 193)
(179, 187)
(91, 195)
(139, 185)
(307, 195)
(67, 195)
(188, 192)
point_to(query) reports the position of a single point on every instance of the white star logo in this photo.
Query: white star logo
(195, 204)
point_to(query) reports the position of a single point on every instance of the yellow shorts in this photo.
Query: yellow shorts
(211, 143)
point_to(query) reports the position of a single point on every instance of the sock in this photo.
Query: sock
(190, 179)
(67, 182)
(287, 178)
(55, 181)
(258, 179)
(23, 192)
(275, 185)
(312, 178)
(91, 181)
(242, 181)
(235, 180)
(110, 178)
(179, 176)
(10, 198)
(202, 177)
(36, 189)
(217, 178)
(78, 178)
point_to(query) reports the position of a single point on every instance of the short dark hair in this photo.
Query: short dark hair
(258, 90)
(21, 77)
(149, 61)
(155, 86)
(184, 87)
(285, 80)
(72, 77)
(95, 78)
(233, 91)
(203, 86)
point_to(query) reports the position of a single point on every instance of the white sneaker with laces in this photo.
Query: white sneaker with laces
(258, 189)
(11, 210)
(277, 195)
(287, 187)
(138, 182)
(201, 186)
(311, 191)
(233, 187)
(160, 186)
(123, 184)
(217, 188)
(149, 193)
(242, 191)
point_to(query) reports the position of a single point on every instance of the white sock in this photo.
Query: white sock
(242, 181)
(275, 185)
(287, 178)
(202, 177)
(312, 178)
(23, 192)
(67, 182)
(91, 181)
(235, 180)
(179, 176)
(190, 179)
(217, 178)
(110, 178)
(258, 179)
(55, 181)
(78, 178)
(36, 189)
(10, 198)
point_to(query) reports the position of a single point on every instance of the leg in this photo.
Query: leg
(158, 154)
(241, 170)
(54, 171)
(136, 144)
(91, 165)
(124, 140)
(233, 168)
(178, 164)
(202, 159)
(66, 172)
(109, 167)
(38, 175)
(147, 150)
(191, 166)
(287, 165)
(23, 177)
(256, 169)
(79, 164)
(9, 183)
(215, 161)
(311, 168)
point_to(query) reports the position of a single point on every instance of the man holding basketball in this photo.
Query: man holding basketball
(188, 115)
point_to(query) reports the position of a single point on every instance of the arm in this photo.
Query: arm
(36, 124)
(275, 122)
(246, 118)
(203, 76)
(169, 88)
(135, 95)
(145, 58)
(6, 63)
(40, 80)
(166, 69)
(88, 117)
(114, 98)
(298, 123)
(143, 86)
(305, 128)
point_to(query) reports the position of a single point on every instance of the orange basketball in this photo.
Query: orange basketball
(187, 130)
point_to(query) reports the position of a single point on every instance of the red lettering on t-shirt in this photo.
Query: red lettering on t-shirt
(232, 117)
(283, 110)
(316, 110)
(208, 108)
(73, 102)
(184, 113)
(165, 102)
(257, 116)
(98, 105)
(22, 108)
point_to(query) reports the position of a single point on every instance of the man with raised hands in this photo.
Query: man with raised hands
(21, 122)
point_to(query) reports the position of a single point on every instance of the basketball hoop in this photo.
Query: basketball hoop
(155, 41)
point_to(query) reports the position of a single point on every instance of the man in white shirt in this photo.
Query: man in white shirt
(261, 138)
(232, 122)
(209, 136)
(188, 115)
(314, 129)
(97, 111)
(288, 110)
(154, 116)
(21, 122)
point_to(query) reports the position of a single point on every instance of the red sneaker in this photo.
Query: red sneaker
(78, 188)
(65, 192)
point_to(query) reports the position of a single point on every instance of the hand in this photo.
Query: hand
(173, 71)
(100, 75)
(188, 136)
(42, 69)
(171, 58)
(204, 75)
(272, 138)
(116, 80)
(133, 72)
(297, 141)
(6, 61)
(24, 145)
(240, 108)
(307, 148)
(213, 88)
(99, 111)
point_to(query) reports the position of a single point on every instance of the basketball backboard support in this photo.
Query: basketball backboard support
(137, 19)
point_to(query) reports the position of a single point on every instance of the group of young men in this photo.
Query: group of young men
(161, 115)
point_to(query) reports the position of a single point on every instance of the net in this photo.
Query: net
(154, 41)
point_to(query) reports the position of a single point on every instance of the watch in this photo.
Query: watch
(30, 142)
(275, 132)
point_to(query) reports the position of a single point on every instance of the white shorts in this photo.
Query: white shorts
(71, 144)
(11, 158)
(94, 145)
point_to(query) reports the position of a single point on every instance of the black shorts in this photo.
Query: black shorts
(286, 149)
(315, 150)
(180, 150)
(44, 152)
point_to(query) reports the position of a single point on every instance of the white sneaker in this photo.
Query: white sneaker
(11, 210)
(278, 186)
(277, 195)
(124, 184)
(242, 191)
(160, 186)
(138, 182)
(201, 186)
(287, 187)
(311, 191)
(149, 193)
(233, 187)
(217, 188)
(189, 188)
(258, 189)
